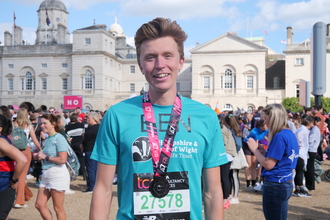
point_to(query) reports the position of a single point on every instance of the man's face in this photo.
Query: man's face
(160, 63)
(78, 111)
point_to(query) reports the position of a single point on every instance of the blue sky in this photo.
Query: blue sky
(203, 20)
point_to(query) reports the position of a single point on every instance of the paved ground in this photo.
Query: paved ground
(77, 205)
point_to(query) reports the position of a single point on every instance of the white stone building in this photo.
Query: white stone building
(298, 64)
(102, 67)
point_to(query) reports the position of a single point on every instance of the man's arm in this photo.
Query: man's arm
(102, 193)
(212, 194)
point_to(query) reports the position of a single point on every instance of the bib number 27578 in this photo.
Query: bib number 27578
(175, 205)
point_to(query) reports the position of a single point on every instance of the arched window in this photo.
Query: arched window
(250, 109)
(88, 80)
(276, 82)
(228, 79)
(28, 82)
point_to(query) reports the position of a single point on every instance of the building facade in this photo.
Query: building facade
(102, 67)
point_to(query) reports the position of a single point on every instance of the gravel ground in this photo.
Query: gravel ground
(250, 207)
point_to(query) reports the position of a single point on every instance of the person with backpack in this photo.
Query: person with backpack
(22, 130)
(9, 172)
(55, 178)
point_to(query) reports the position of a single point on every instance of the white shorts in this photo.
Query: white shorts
(56, 177)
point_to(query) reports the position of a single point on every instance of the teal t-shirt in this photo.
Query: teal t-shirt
(53, 145)
(122, 140)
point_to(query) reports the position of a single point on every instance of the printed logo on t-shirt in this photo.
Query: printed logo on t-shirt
(141, 149)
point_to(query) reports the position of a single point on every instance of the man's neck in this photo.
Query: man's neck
(167, 98)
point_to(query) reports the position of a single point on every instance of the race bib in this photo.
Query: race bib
(174, 206)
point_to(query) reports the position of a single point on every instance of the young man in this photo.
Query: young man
(156, 183)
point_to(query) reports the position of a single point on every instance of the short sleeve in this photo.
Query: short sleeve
(276, 149)
(215, 153)
(61, 144)
(106, 146)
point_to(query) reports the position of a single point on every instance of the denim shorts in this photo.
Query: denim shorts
(57, 177)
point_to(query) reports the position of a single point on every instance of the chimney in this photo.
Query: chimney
(8, 39)
(328, 29)
(289, 35)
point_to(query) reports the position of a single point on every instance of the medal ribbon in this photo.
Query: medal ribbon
(161, 159)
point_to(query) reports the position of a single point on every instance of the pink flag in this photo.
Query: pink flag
(283, 41)
(265, 32)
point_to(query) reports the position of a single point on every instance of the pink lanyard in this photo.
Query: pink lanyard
(161, 159)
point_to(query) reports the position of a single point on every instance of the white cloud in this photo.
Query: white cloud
(84, 4)
(299, 15)
(183, 9)
(130, 41)
(29, 35)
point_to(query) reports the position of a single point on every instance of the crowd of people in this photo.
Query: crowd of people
(165, 148)
(48, 134)
(280, 147)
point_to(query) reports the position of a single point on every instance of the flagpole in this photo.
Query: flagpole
(12, 40)
(46, 25)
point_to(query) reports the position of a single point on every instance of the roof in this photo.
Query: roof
(52, 4)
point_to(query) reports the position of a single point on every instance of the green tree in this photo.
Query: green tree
(325, 104)
(292, 103)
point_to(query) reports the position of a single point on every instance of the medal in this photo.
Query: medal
(159, 187)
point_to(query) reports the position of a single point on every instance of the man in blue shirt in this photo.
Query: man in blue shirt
(161, 143)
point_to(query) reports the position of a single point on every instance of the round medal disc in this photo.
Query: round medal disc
(159, 187)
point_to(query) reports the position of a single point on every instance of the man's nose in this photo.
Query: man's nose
(160, 62)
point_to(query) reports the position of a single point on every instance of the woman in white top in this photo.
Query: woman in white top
(303, 142)
(23, 122)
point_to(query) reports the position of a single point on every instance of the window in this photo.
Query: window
(297, 90)
(64, 65)
(178, 89)
(228, 79)
(299, 61)
(28, 81)
(44, 83)
(221, 81)
(44, 65)
(146, 87)
(249, 82)
(88, 80)
(11, 84)
(11, 66)
(132, 87)
(87, 41)
(64, 83)
(276, 82)
(207, 82)
(228, 107)
(132, 69)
